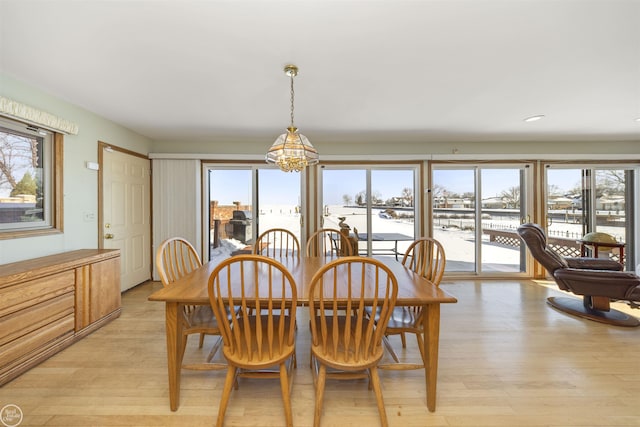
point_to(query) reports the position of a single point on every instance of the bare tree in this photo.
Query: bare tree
(18, 154)
(376, 197)
(511, 197)
(610, 181)
(438, 190)
(554, 190)
(346, 199)
(407, 196)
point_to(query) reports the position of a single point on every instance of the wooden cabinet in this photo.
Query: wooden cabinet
(48, 303)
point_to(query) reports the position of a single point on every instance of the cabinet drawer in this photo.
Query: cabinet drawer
(26, 321)
(23, 295)
(36, 340)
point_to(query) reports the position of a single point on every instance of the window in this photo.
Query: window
(30, 180)
(245, 201)
(476, 210)
(585, 198)
(380, 202)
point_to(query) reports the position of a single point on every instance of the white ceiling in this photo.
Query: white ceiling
(431, 70)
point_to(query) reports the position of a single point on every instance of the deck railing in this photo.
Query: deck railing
(564, 243)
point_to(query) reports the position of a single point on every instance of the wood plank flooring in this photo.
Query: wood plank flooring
(506, 359)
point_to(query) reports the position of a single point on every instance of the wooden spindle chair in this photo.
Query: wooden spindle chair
(277, 243)
(345, 342)
(175, 258)
(328, 242)
(262, 334)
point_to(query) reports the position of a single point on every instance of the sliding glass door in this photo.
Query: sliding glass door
(589, 198)
(476, 210)
(279, 201)
(244, 201)
(376, 203)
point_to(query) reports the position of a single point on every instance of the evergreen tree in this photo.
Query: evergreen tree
(27, 185)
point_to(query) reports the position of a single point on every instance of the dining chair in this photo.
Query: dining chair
(426, 257)
(328, 242)
(277, 242)
(260, 336)
(175, 258)
(345, 342)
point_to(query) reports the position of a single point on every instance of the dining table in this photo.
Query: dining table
(413, 290)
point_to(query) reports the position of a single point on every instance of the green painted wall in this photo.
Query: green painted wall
(80, 183)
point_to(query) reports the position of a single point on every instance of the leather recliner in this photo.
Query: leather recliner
(597, 280)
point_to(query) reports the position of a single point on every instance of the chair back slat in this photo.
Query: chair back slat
(277, 243)
(340, 292)
(175, 258)
(328, 242)
(264, 291)
(426, 258)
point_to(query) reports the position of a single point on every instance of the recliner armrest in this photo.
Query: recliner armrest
(594, 264)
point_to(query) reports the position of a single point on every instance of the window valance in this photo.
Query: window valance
(17, 110)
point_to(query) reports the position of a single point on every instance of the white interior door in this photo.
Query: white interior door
(126, 213)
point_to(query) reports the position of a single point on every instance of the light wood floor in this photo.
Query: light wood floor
(506, 359)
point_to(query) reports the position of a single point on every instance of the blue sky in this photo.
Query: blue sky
(494, 181)
(282, 188)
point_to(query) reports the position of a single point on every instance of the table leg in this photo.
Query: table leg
(431, 327)
(174, 353)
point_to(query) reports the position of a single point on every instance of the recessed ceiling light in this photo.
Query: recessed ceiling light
(638, 119)
(534, 118)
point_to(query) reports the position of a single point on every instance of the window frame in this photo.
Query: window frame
(53, 190)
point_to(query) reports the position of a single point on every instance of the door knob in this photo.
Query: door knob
(108, 236)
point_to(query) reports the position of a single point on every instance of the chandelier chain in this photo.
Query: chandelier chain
(292, 94)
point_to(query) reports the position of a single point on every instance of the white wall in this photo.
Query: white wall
(80, 184)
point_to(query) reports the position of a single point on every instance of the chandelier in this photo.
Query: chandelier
(292, 151)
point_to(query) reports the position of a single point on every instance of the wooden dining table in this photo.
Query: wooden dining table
(413, 290)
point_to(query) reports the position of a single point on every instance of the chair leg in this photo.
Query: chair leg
(226, 393)
(375, 380)
(403, 339)
(185, 338)
(201, 340)
(421, 347)
(322, 376)
(389, 348)
(286, 394)
(214, 349)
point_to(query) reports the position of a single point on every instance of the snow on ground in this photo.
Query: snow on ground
(227, 246)
(458, 244)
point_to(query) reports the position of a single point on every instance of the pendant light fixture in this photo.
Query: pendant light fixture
(292, 151)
